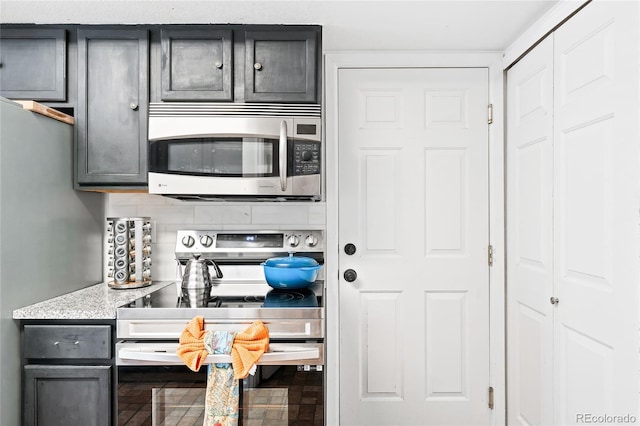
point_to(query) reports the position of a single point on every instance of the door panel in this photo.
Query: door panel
(596, 212)
(413, 150)
(530, 238)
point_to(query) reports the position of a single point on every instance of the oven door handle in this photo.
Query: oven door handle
(167, 354)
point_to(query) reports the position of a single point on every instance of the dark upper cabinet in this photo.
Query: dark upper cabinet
(197, 65)
(113, 98)
(281, 66)
(33, 64)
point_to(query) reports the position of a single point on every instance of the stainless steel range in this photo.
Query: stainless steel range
(148, 329)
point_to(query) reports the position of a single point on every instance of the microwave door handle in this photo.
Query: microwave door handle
(283, 155)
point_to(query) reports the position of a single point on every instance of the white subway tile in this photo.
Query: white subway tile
(134, 198)
(317, 214)
(167, 214)
(222, 214)
(163, 263)
(279, 214)
(122, 211)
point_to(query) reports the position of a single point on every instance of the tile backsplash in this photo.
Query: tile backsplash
(168, 215)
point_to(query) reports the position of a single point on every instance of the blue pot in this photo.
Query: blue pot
(291, 272)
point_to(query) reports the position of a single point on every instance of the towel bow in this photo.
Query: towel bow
(248, 346)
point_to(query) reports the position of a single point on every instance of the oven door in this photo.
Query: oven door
(155, 387)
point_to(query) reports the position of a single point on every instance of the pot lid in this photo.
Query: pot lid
(290, 262)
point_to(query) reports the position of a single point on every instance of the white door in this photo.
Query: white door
(413, 201)
(597, 171)
(530, 238)
(572, 223)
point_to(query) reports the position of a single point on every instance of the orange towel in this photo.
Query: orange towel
(248, 346)
(191, 348)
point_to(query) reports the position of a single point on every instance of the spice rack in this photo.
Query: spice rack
(129, 252)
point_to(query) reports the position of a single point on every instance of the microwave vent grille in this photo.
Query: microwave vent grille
(164, 109)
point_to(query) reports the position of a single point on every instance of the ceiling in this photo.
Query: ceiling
(348, 25)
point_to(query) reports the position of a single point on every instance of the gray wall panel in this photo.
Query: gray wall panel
(50, 235)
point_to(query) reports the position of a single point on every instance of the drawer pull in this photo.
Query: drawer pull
(77, 342)
(56, 343)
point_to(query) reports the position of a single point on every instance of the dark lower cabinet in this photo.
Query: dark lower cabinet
(69, 373)
(67, 395)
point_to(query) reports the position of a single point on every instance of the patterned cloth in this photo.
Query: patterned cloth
(223, 391)
(246, 348)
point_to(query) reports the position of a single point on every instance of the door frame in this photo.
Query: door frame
(334, 61)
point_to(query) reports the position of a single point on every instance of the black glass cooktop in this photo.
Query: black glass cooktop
(171, 296)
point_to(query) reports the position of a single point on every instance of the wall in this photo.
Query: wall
(50, 234)
(169, 215)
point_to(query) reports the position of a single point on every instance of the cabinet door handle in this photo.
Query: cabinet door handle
(218, 65)
(133, 106)
(257, 66)
(554, 300)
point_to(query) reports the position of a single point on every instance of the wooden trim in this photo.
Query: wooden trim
(46, 111)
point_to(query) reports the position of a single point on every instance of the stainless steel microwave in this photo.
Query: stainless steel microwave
(235, 151)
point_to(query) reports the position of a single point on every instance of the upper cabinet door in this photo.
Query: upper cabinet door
(280, 66)
(113, 99)
(197, 65)
(33, 64)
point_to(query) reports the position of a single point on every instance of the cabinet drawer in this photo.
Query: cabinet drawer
(67, 341)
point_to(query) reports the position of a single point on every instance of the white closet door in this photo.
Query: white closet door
(596, 180)
(530, 238)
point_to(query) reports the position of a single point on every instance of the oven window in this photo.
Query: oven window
(163, 395)
(232, 157)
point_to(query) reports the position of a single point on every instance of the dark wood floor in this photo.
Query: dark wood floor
(288, 397)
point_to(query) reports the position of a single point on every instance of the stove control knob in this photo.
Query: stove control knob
(206, 240)
(188, 241)
(293, 241)
(311, 240)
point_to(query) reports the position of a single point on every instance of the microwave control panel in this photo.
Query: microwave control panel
(306, 158)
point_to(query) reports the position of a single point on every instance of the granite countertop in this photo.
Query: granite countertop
(95, 302)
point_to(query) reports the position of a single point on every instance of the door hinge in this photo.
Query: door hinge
(491, 397)
(490, 255)
(490, 114)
